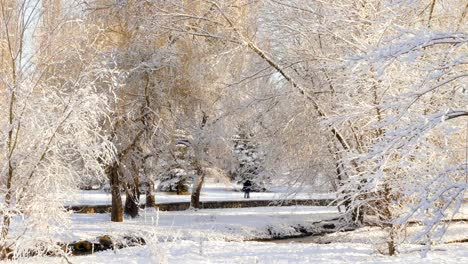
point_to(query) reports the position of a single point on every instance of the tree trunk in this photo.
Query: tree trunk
(132, 203)
(196, 190)
(357, 214)
(11, 144)
(7, 217)
(387, 214)
(150, 197)
(117, 210)
(5, 226)
(391, 242)
(200, 151)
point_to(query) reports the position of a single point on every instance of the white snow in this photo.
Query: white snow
(221, 235)
(186, 251)
(210, 192)
(211, 224)
(218, 236)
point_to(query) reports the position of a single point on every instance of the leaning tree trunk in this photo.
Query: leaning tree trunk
(116, 211)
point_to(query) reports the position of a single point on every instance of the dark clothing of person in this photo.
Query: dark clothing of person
(247, 187)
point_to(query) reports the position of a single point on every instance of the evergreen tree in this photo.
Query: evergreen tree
(177, 172)
(249, 165)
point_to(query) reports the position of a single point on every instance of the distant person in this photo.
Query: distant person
(247, 188)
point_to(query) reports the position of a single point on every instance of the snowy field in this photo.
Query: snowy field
(210, 192)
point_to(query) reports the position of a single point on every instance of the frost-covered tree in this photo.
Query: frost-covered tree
(411, 167)
(141, 123)
(51, 133)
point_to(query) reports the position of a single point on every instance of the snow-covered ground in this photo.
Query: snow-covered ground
(219, 236)
(255, 252)
(222, 235)
(361, 246)
(210, 192)
(236, 224)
